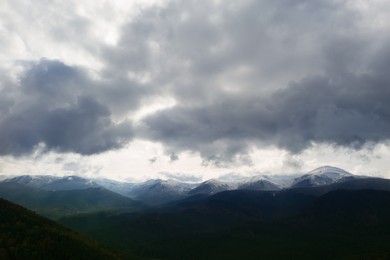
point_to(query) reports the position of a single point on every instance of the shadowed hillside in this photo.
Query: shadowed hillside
(343, 224)
(25, 235)
(65, 202)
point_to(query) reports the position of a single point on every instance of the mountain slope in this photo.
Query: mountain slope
(210, 187)
(363, 206)
(25, 235)
(247, 224)
(54, 183)
(259, 184)
(65, 202)
(155, 192)
(348, 184)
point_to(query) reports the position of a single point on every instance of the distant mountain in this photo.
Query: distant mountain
(25, 235)
(321, 176)
(356, 183)
(65, 202)
(282, 181)
(156, 192)
(259, 184)
(152, 191)
(54, 183)
(123, 188)
(70, 183)
(36, 181)
(211, 187)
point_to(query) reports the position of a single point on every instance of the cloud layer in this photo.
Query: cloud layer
(280, 73)
(243, 75)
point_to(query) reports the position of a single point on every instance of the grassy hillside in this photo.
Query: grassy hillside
(25, 235)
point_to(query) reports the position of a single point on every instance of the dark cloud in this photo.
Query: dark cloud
(196, 50)
(61, 108)
(350, 110)
(265, 73)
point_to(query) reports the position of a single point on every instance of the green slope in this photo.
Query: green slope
(55, 204)
(25, 235)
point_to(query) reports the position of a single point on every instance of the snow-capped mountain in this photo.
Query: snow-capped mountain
(36, 181)
(321, 176)
(211, 187)
(71, 183)
(54, 183)
(256, 183)
(283, 181)
(158, 191)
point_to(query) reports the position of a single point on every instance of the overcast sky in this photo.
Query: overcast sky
(193, 90)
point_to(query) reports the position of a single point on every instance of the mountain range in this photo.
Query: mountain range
(343, 220)
(158, 192)
(302, 216)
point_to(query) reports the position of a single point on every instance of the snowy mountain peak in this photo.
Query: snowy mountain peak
(32, 180)
(329, 169)
(214, 181)
(321, 176)
(211, 186)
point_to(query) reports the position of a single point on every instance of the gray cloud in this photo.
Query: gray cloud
(261, 73)
(350, 110)
(197, 50)
(243, 74)
(63, 109)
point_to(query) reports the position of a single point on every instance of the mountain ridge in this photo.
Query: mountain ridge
(158, 192)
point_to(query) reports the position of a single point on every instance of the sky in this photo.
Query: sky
(193, 90)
